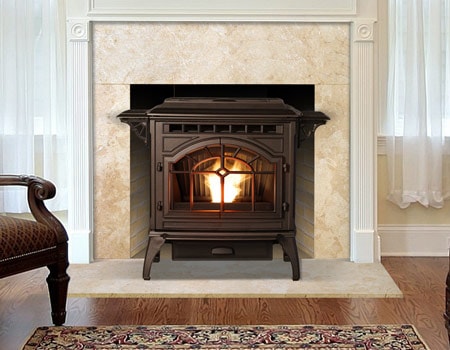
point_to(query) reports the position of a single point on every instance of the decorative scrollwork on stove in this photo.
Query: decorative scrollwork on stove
(308, 124)
(138, 122)
(140, 128)
(306, 131)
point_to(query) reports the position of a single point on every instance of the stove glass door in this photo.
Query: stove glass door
(222, 178)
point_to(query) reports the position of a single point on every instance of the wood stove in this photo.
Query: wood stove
(222, 176)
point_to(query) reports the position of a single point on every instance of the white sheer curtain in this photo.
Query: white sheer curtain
(418, 102)
(32, 97)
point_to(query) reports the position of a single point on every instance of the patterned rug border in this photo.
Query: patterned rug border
(214, 337)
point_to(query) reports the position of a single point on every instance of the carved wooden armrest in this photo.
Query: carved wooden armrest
(39, 190)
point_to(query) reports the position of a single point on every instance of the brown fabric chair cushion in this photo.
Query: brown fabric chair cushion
(20, 237)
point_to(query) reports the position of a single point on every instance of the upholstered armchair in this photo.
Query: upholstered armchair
(29, 244)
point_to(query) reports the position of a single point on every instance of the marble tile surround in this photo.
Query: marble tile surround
(228, 53)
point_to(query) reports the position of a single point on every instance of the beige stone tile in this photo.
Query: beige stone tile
(221, 53)
(332, 174)
(319, 278)
(195, 53)
(111, 173)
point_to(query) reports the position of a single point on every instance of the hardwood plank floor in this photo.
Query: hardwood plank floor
(25, 306)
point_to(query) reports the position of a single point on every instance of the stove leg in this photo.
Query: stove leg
(154, 245)
(290, 249)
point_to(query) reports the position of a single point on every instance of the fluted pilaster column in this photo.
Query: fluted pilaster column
(364, 240)
(80, 141)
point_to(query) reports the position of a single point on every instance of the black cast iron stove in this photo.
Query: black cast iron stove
(222, 176)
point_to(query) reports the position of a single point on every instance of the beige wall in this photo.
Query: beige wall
(416, 214)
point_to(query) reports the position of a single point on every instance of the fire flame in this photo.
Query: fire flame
(232, 184)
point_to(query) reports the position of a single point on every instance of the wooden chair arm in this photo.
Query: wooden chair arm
(39, 190)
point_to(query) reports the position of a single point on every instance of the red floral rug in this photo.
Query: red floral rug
(374, 337)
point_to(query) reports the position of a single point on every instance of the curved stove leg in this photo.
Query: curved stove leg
(154, 245)
(290, 249)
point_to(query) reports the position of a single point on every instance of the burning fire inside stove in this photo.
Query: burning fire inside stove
(225, 184)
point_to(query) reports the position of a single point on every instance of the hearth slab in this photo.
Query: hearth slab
(330, 278)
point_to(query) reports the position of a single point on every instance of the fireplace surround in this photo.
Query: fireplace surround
(86, 18)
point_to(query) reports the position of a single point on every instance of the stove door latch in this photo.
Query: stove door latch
(285, 206)
(159, 206)
(159, 167)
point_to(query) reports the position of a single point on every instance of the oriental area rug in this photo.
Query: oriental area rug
(369, 337)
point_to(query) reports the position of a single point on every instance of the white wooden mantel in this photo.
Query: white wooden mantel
(360, 14)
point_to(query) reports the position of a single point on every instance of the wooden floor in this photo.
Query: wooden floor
(24, 306)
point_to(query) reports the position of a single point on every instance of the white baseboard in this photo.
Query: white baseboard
(414, 240)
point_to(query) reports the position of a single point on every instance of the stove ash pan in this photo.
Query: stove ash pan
(222, 181)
